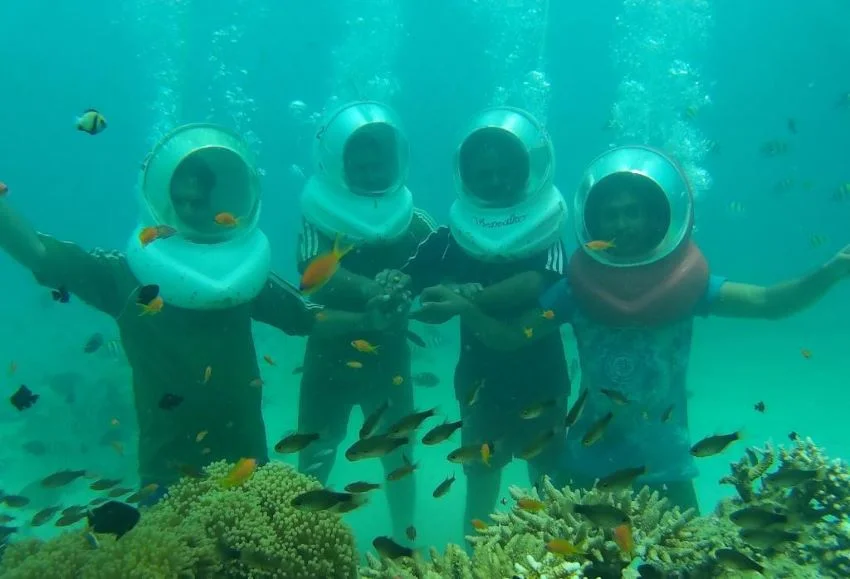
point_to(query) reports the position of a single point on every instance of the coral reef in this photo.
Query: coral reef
(515, 545)
(203, 530)
(808, 488)
(810, 538)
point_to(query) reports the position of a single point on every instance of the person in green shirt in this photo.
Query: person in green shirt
(213, 280)
(359, 194)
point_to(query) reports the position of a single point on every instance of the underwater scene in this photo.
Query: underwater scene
(394, 289)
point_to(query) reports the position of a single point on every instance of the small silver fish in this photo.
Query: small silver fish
(444, 487)
(621, 479)
(575, 412)
(441, 432)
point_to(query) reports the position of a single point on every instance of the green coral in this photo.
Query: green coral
(819, 506)
(203, 530)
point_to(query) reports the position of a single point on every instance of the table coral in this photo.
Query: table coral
(202, 530)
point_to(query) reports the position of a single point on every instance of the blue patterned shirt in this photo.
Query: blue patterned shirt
(648, 365)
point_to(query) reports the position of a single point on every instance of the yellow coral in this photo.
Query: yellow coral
(202, 529)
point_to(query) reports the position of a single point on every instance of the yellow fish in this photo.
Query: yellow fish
(364, 347)
(486, 453)
(599, 245)
(240, 473)
(322, 268)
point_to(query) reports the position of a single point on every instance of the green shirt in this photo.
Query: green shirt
(169, 353)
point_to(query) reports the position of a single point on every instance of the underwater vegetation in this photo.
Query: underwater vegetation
(790, 518)
(201, 529)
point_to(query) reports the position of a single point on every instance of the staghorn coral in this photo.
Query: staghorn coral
(455, 564)
(676, 544)
(551, 567)
(667, 537)
(749, 469)
(202, 530)
(819, 509)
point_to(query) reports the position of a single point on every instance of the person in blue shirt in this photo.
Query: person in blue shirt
(631, 293)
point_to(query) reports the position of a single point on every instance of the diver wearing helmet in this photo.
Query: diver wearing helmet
(358, 194)
(212, 280)
(631, 294)
(504, 230)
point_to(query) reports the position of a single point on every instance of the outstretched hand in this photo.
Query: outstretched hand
(439, 304)
(840, 263)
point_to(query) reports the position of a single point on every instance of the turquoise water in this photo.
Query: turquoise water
(149, 66)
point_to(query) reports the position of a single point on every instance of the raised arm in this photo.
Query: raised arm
(783, 299)
(97, 277)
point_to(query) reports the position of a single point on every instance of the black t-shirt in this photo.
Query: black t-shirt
(169, 353)
(539, 366)
(366, 261)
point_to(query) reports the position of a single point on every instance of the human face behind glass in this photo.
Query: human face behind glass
(191, 201)
(494, 167)
(370, 162)
(624, 219)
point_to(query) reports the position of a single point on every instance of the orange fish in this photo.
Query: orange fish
(3, 188)
(530, 505)
(486, 451)
(398, 380)
(599, 245)
(479, 525)
(322, 268)
(806, 353)
(321, 317)
(269, 360)
(119, 448)
(201, 435)
(12, 368)
(226, 219)
(207, 374)
(548, 315)
(240, 473)
(364, 347)
(152, 233)
(354, 364)
(624, 539)
(256, 382)
(562, 547)
(154, 307)
(529, 332)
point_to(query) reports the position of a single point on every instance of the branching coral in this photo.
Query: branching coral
(455, 564)
(667, 537)
(748, 470)
(203, 530)
(815, 496)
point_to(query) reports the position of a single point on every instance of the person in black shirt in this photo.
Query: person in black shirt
(359, 193)
(503, 236)
(213, 282)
